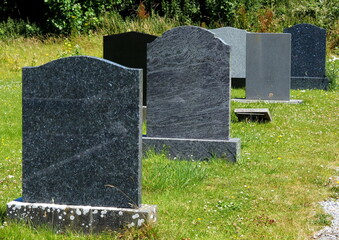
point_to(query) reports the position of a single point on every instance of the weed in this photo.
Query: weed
(322, 219)
(335, 192)
(332, 72)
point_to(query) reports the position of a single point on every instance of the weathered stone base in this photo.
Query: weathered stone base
(244, 100)
(86, 219)
(194, 149)
(309, 83)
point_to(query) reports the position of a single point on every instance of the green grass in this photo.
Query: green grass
(272, 192)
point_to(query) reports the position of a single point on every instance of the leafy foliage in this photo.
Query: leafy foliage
(74, 15)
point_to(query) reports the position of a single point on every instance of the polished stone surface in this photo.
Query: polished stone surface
(236, 39)
(82, 133)
(268, 66)
(129, 49)
(86, 219)
(188, 85)
(189, 93)
(308, 56)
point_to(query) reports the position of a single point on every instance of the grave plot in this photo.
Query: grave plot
(82, 146)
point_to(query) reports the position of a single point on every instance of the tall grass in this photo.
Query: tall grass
(332, 72)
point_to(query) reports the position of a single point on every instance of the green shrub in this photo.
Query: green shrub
(332, 72)
(14, 28)
(74, 16)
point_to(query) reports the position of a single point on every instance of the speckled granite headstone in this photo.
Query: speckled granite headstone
(82, 133)
(236, 38)
(268, 66)
(129, 49)
(308, 56)
(189, 94)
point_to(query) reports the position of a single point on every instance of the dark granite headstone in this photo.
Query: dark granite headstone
(189, 95)
(308, 56)
(82, 133)
(268, 66)
(129, 49)
(236, 38)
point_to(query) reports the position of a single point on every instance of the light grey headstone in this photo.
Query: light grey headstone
(268, 66)
(82, 133)
(236, 39)
(189, 94)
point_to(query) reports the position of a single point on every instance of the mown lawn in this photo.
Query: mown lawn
(272, 192)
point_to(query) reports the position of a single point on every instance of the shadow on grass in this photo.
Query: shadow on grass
(3, 214)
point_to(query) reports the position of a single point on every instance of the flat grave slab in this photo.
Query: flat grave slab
(244, 100)
(253, 114)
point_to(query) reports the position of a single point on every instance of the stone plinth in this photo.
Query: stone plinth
(253, 114)
(86, 219)
(195, 149)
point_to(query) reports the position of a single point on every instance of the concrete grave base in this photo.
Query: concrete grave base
(309, 83)
(85, 219)
(244, 100)
(194, 149)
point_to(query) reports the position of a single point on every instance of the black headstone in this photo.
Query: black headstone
(82, 133)
(308, 56)
(129, 49)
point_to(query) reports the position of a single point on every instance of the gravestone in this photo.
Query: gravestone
(236, 38)
(189, 95)
(81, 144)
(308, 56)
(129, 49)
(268, 66)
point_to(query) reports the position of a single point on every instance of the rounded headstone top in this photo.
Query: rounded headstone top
(189, 32)
(81, 59)
(306, 26)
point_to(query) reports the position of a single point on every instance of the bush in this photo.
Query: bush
(15, 28)
(74, 16)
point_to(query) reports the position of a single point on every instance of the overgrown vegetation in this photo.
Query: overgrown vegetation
(84, 16)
